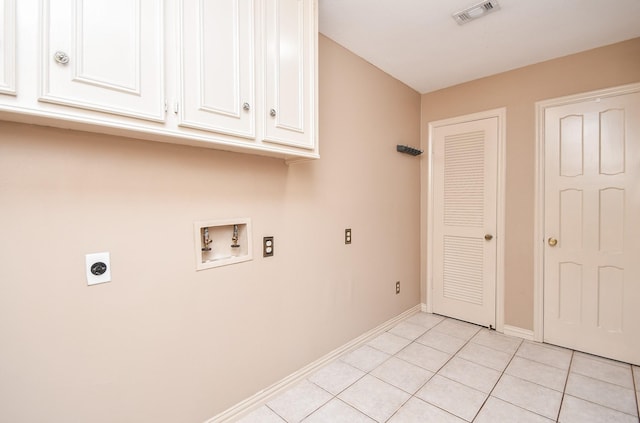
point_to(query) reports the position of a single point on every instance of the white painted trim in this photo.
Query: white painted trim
(8, 84)
(260, 398)
(423, 308)
(501, 114)
(429, 273)
(539, 235)
(538, 228)
(501, 217)
(519, 332)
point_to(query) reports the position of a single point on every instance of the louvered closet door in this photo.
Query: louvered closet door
(465, 195)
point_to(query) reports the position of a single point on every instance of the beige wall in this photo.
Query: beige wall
(518, 90)
(162, 342)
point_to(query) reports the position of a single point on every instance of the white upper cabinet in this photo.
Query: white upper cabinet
(289, 39)
(7, 47)
(217, 66)
(104, 55)
(236, 75)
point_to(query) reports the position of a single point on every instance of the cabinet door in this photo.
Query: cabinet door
(217, 72)
(7, 47)
(289, 27)
(104, 55)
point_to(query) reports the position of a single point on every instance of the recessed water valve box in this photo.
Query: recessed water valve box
(222, 242)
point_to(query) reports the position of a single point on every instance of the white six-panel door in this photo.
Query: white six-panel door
(465, 220)
(592, 226)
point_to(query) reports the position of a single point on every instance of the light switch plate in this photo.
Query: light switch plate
(98, 268)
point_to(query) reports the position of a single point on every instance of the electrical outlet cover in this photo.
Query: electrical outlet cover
(267, 246)
(347, 236)
(101, 264)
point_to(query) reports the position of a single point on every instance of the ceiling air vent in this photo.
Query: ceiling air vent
(476, 11)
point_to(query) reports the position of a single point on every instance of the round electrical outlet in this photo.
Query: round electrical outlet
(98, 268)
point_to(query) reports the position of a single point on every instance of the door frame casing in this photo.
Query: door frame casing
(538, 226)
(501, 115)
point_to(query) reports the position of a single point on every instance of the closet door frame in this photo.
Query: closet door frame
(539, 208)
(500, 114)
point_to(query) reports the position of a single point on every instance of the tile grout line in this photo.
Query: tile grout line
(566, 382)
(276, 413)
(499, 334)
(351, 407)
(399, 408)
(335, 396)
(427, 381)
(635, 390)
(321, 405)
(533, 360)
(455, 355)
(601, 381)
(437, 373)
(602, 360)
(414, 341)
(515, 354)
(536, 383)
(368, 373)
(607, 382)
(496, 384)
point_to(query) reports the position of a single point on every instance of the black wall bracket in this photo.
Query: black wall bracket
(408, 150)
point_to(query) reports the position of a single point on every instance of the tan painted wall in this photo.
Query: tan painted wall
(518, 90)
(162, 342)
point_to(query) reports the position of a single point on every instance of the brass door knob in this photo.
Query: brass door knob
(488, 237)
(553, 242)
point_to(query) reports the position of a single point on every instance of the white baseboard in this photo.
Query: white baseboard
(272, 391)
(519, 332)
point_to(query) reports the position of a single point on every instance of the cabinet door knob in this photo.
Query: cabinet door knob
(61, 57)
(553, 242)
(273, 113)
(246, 106)
(488, 237)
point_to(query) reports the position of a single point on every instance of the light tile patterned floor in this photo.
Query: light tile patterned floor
(433, 369)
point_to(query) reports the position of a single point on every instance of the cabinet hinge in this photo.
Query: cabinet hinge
(166, 106)
(176, 106)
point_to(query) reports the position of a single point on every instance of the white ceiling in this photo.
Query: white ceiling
(419, 43)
